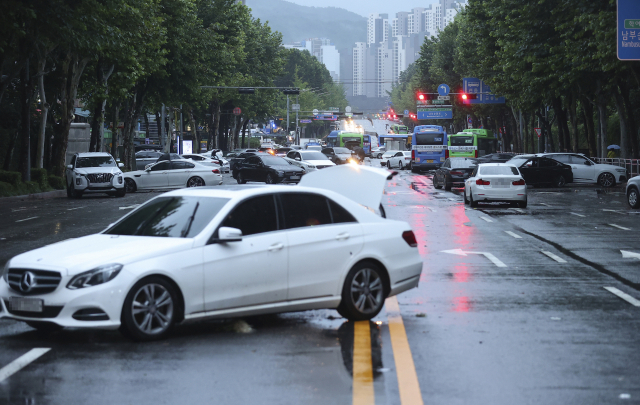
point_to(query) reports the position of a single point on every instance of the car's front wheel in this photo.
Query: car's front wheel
(270, 179)
(150, 309)
(363, 293)
(241, 179)
(559, 181)
(388, 164)
(400, 165)
(130, 186)
(606, 180)
(632, 198)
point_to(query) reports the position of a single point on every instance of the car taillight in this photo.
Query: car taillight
(216, 171)
(457, 173)
(410, 238)
(407, 158)
(519, 183)
(476, 154)
(481, 182)
(413, 154)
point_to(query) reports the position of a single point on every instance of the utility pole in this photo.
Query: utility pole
(162, 129)
(181, 132)
(298, 103)
(287, 115)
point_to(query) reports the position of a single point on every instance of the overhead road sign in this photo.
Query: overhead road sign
(472, 85)
(443, 90)
(325, 117)
(444, 97)
(305, 121)
(295, 107)
(435, 113)
(628, 30)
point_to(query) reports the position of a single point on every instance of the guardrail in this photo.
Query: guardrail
(632, 165)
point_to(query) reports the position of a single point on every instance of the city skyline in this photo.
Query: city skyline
(366, 7)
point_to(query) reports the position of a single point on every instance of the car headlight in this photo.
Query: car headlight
(5, 271)
(99, 275)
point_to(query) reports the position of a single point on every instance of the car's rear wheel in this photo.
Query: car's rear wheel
(472, 203)
(388, 164)
(559, 181)
(632, 198)
(435, 183)
(195, 182)
(400, 165)
(150, 309)
(606, 180)
(270, 179)
(130, 186)
(522, 204)
(241, 179)
(464, 195)
(45, 327)
(363, 293)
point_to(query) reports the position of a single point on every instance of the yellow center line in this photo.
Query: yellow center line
(405, 369)
(362, 366)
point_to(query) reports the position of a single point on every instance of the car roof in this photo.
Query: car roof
(495, 164)
(88, 154)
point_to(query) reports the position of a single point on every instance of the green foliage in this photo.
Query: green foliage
(6, 189)
(56, 182)
(13, 178)
(40, 176)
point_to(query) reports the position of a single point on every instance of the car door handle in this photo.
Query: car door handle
(275, 247)
(342, 236)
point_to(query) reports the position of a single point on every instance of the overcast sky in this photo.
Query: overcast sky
(366, 7)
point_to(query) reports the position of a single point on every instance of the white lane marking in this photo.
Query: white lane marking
(130, 207)
(578, 215)
(21, 362)
(624, 296)
(489, 256)
(486, 219)
(544, 204)
(554, 257)
(619, 227)
(26, 219)
(616, 211)
(630, 255)
(516, 209)
(77, 208)
(515, 235)
(431, 209)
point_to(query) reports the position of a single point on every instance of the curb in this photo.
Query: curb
(37, 196)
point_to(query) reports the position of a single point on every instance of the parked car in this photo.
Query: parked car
(542, 171)
(586, 170)
(378, 152)
(454, 172)
(169, 260)
(316, 158)
(145, 157)
(495, 182)
(172, 174)
(500, 157)
(222, 164)
(399, 159)
(267, 168)
(633, 191)
(94, 172)
(338, 155)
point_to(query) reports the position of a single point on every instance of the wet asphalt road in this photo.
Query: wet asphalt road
(507, 324)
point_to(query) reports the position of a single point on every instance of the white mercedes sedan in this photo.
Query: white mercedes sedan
(495, 182)
(220, 252)
(172, 174)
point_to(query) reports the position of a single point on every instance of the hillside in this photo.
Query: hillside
(297, 23)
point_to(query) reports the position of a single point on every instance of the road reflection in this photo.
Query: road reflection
(346, 338)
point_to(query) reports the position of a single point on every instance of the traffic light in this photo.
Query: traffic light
(291, 91)
(246, 90)
(421, 96)
(466, 96)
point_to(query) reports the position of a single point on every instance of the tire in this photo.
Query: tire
(607, 179)
(69, 195)
(150, 320)
(388, 164)
(472, 204)
(364, 292)
(447, 186)
(240, 179)
(130, 186)
(195, 182)
(435, 183)
(121, 193)
(383, 213)
(464, 195)
(45, 327)
(522, 204)
(270, 179)
(400, 165)
(632, 197)
(559, 181)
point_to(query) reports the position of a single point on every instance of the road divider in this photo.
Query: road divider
(489, 256)
(363, 393)
(21, 362)
(624, 296)
(554, 257)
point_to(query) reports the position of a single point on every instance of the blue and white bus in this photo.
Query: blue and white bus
(428, 147)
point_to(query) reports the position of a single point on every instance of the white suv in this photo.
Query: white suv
(94, 172)
(586, 170)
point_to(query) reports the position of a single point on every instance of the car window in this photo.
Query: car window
(398, 154)
(338, 214)
(314, 156)
(172, 217)
(164, 165)
(274, 161)
(498, 170)
(95, 161)
(561, 158)
(474, 173)
(303, 209)
(188, 165)
(253, 216)
(462, 163)
(254, 160)
(577, 160)
(544, 162)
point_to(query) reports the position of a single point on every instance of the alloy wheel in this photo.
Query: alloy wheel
(606, 180)
(195, 182)
(129, 185)
(152, 309)
(367, 290)
(632, 198)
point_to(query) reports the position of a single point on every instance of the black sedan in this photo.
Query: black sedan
(538, 171)
(454, 172)
(500, 157)
(235, 161)
(267, 168)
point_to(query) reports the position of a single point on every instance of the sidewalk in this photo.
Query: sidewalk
(37, 196)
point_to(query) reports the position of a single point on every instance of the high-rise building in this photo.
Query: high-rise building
(377, 28)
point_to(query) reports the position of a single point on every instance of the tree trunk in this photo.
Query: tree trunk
(114, 130)
(25, 123)
(194, 126)
(159, 125)
(245, 124)
(587, 110)
(572, 112)
(44, 112)
(131, 118)
(632, 124)
(557, 108)
(624, 135)
(97, 122)
(72, 68)
(9, 153)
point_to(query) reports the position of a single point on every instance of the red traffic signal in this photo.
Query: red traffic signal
(465, 96)
(421, 96)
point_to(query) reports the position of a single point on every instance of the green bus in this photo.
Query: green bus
(472, 143)
(399, 129)
(346, 139)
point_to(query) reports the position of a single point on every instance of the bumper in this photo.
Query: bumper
(427, 166)
(500, 195)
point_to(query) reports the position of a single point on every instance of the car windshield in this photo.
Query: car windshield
(498, 170)
(390, 153)
(463, 163)
(461, 141)
(314, 156)
(517, 161)
(171, 217)
(95, 161)
(273, 160)
(429, 139)
(341, 150)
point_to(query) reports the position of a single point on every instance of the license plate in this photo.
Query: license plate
(294, 177)
(26, 304)
(429, 160)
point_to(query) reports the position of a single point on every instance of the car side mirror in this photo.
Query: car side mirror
(120, 164)
(147, 169)
(298, 159)
(227, 234)
(70, 167)
(529, 164)
(586, 162)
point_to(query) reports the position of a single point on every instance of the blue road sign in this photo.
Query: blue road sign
(628, 30)
(443, 90)
(472, 85)
(305, 121)
(406, 112)
(435, 115)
